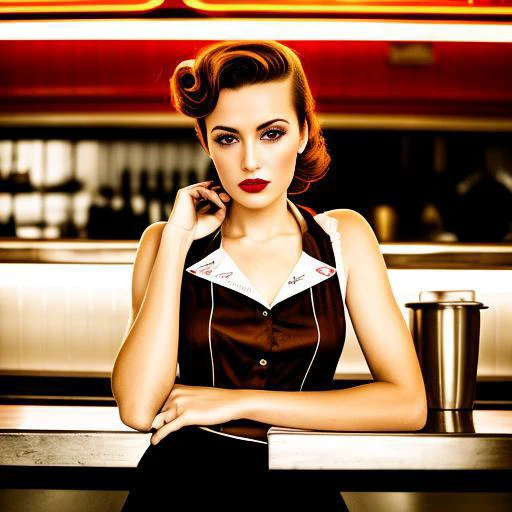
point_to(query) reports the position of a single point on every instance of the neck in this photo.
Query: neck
(260, 224)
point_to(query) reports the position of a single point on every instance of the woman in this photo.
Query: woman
(250, 293)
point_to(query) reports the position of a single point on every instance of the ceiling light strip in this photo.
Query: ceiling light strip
(251, 29)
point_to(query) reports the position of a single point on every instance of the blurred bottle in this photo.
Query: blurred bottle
(140, 205)
(126, 215)
(154, 208)
(71, 186)
(161, 193)
(7, 224)
(192, 176)
(100, 222)
(10, 188)
(175, 186)
(385, 222)
(484, 203)
(439, 213)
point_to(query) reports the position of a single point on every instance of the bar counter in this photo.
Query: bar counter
(457, 452)
(94, 436)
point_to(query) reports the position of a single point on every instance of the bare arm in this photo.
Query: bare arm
(377, 406)
(144, 371)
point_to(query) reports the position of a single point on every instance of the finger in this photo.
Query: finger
(201, 192)
(158, 421)
(167, 429)
(205, 208)
(222, 193)
(214, 197)
(163, 418)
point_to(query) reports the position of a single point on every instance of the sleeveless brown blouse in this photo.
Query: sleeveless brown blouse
(231, 338)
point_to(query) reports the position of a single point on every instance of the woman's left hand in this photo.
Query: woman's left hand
(195, 405)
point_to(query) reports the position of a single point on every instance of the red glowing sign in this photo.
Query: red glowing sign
(466, 7)
(56, 6)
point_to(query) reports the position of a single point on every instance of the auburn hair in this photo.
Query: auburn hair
(196, 83)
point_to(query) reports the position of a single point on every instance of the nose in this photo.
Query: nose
(249, 159)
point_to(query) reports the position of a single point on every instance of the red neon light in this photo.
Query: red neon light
(56, 6)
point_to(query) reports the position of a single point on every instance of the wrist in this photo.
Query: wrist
(179, 233)
(244, 399)
(178, 226)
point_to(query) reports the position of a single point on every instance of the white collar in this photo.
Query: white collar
(218, 267)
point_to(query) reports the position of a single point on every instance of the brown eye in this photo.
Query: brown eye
(219, 140)
(275, 131)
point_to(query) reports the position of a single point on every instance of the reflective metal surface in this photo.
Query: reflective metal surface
(445, 326)
(462, 440)
(94, 436)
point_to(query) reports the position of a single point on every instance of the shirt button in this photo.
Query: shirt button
(263, 362)
(265, 313)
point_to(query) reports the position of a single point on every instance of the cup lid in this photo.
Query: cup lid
(447, 304)
(447, 298)
(447, 295)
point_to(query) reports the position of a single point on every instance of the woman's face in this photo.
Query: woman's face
(252, 133)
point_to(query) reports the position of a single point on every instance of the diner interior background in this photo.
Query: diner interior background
(410, 185)
(419, 135)
(90, 149)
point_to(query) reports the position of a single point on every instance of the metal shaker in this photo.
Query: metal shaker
(445, 326)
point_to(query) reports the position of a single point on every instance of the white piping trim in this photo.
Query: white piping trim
(210, 335)
(330, 226)
(318, 336)
(213, 375)
(233, 436)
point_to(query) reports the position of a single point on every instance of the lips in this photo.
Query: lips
(253, 182)
(253, 185)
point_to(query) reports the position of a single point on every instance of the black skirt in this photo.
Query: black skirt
(195, 469)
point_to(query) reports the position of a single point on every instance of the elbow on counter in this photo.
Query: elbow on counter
(421, 415)
(131, 415)
(137, 421)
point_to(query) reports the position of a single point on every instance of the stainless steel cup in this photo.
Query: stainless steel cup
(445, 326)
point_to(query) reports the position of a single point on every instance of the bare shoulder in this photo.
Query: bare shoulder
(349, 219)
(147, 251)
(148, 245)
(358, 239)
(150, 238)
(154, 230)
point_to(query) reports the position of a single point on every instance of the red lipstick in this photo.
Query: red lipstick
(254, 185)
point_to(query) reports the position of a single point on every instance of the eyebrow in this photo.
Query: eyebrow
(260, 127)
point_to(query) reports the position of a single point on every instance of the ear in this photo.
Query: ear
(304, 137)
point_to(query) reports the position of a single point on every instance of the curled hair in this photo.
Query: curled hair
(196, 83)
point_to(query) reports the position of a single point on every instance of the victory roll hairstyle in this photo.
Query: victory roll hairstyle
(196, 83)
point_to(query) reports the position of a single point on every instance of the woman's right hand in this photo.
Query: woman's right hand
(192, 207)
